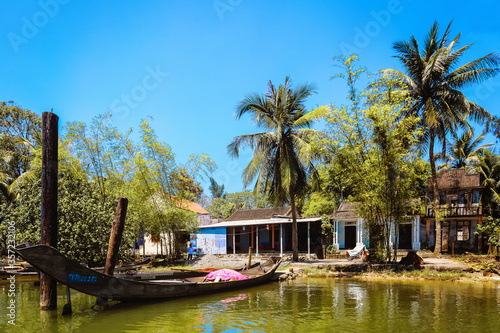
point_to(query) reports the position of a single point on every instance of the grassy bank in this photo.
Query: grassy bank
(429, 275)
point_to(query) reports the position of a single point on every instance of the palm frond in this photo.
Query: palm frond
(278, 166)
(317, 114)
(243, 141)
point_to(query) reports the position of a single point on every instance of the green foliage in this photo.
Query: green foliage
(97, 146)
(84, 220)
(185, 186)
(491, 229)
(20, 132)
(493, 126)
(327, 198)
(331, 249)
(166, 214)
(282, 161)
(488, 168)
(216, 190)
(145, 172)
(113, 165)
(327, 231)
(373, 160)
(326, 225)
(430, 275)
(231, 202)
(463, 151)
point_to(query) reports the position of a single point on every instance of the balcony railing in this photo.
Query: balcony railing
(456, 211)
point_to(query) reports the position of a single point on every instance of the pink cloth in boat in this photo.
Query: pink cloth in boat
(226, 275)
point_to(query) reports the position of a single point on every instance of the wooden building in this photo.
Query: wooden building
(460, 209)
(264, 230)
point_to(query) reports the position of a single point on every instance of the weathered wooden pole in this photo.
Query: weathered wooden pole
(67, 310)
(116, 235)
(249, 257)
(48, 286)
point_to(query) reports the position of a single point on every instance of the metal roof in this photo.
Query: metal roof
(259, 222)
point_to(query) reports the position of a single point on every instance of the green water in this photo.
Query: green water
(303, 305)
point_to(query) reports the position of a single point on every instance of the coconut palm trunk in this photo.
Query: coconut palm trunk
(435, 191)
(282, 162)
(295, 233)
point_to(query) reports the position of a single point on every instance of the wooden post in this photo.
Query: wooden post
(273, 238)
(249, 257)
(144, 244)
(67, 310)
(116, 235)
(257, 240)
(428, 232)
(48, 286)
(480, 238)
(281, 240)
(308, 240)
(234, 240)
(252, 236)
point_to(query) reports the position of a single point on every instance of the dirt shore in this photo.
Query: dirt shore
(467, 267)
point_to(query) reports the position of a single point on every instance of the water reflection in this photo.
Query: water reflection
(232, 300)
(303, 305)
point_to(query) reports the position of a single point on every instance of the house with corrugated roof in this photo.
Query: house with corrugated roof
(262, 230)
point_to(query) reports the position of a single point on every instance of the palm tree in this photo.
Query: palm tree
(433, 81)
(489, 170)
(12, 178)
(464, 151)
(281, 163)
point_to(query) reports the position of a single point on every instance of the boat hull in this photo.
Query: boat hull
(69, 272)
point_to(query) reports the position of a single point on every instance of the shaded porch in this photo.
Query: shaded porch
(274, 236)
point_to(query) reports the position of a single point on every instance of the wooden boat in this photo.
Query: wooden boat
(21, 271)
(69, 272)
(175, 273)
(30, 274)
(20, 275)
(127, 266)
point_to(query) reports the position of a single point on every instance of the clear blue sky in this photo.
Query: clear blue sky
(187, 64)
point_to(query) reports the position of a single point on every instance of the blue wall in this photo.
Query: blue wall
(211, 240)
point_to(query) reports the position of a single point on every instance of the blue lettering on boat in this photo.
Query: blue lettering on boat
(73, 277)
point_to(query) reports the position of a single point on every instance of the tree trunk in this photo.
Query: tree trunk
(295, 236)
(435, 191)
(115, 237)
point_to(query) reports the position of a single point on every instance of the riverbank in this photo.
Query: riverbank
(418, 275)
(467, 267)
